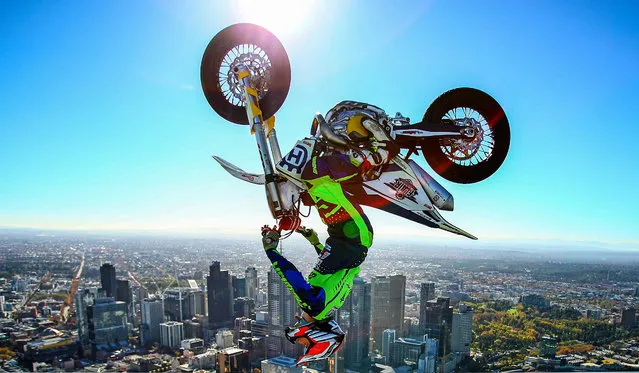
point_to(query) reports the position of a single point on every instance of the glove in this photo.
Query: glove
(270, 238)
(370, 161)
(309, 234)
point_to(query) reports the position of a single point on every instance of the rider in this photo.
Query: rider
(349, 230)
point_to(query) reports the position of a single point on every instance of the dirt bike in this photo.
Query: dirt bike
(464, 134)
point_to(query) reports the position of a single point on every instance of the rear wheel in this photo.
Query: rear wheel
(462, 160)
(262, 53)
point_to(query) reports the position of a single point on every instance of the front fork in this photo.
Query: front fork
(265, 138)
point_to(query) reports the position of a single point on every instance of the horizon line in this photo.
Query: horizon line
(204, 232)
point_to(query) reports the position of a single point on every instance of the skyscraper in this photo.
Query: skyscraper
(176, 304)
(461, 334)
(282, 308)
(107, 279)
(388, 338)
(123, 294)
(220, 294)
(195, 302)
(107, 320)
(243, 307)
(171, 333)
(427, 291)
(239, 286)
(628, 318)
(387, 306)
(251, 282)
(437, 322)
(152, 315)
(83, 299)
(354, 318)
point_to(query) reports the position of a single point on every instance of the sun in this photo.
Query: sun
(282, 17)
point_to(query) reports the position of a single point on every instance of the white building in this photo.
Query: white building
(193, 344)
(461, 333)
(224, 339)
(171, 333)
(252, 284)
(206, 360)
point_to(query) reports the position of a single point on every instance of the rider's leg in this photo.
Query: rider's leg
(310, 298)
(334, 272)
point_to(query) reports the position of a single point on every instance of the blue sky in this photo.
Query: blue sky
(103, 124)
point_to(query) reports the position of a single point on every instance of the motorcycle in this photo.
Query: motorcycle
(464, 134)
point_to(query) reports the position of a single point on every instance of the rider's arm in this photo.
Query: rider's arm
(311, 237)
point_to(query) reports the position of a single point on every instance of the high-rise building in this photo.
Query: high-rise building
(107, 321)
(422, 353)
(426, 292)
(239, 286)
(256, 346)
(107, 279)
(462, 334)
(388, 338)
(259, 328)
(437, 322)
(251, 282)
(83, 299)
(354, 318)
(220, 300)
(387, 306)
(152, 316)
(282, 308)
(193, 328)
(175, 304)
(195, 304)
(242, 323)
(171, 333)
(139, 293)
(123, 294)
(628, 318)
(637, 291)
(243, 307)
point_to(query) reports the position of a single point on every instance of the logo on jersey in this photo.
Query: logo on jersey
(325, 253)
(295, 159)
(403, 188)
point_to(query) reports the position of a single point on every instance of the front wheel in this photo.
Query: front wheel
(461, 160)
(262, 53)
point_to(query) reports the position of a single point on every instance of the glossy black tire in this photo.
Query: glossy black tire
(490, 109)
(223, 42)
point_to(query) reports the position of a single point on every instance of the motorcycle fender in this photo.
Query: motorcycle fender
(237, 172)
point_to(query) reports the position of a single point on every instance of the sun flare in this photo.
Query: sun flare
(282, 17)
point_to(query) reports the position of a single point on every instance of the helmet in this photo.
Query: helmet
(355, 129)
(321, 338)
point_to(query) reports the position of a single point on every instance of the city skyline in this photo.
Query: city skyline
(106, 127)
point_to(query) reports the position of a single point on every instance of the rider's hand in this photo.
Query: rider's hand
(270, 238)
(309, 234)
(369, 161)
